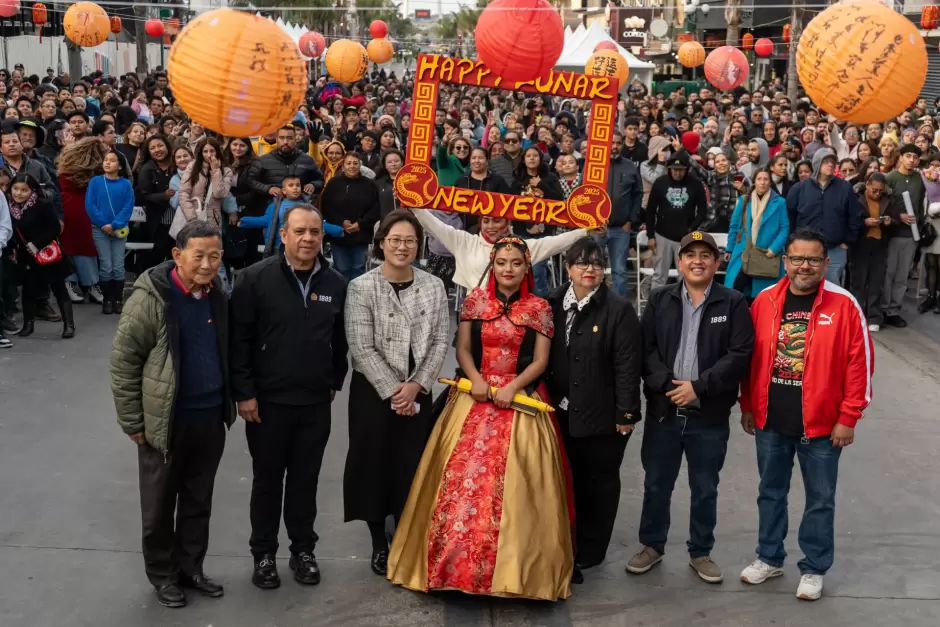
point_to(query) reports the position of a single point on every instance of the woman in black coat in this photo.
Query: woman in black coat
(533, 178)
(389, 164)
(594, 378)
(36, 226)
(239, 155)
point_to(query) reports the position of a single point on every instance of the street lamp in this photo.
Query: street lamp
(692, 10)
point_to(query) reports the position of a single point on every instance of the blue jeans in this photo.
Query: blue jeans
(705, 447)
(618, 249)
(819, 464)
(350, 261)
(838, 258)
(110, 255)
(86, 270)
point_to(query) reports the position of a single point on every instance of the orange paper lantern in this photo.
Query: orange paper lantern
(39, 16)
(610, 64)
(861, 61)
(691, 54)
(786, 33)
(747, 41)
(726, 68)
(928, 17)
(9, 8)
(347, 61)
(380, 50)
(519, 40)
(86, 24)
(236, 73)
(171, 27)
(312, 44)
(763, 47)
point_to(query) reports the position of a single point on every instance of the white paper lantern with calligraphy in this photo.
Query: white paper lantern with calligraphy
(861, 61)
(236, 73)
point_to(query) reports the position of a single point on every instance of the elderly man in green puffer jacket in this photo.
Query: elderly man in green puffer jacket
(169, 379)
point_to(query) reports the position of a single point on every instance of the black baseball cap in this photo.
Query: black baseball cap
(698, 237)
(677, 162)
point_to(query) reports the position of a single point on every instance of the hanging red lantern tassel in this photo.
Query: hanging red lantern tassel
(39, 17)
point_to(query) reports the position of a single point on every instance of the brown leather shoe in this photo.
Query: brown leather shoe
(643, 560)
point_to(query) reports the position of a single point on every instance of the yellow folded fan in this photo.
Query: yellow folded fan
(520, 402)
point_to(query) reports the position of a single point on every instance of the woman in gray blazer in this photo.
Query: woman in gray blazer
(397, 326)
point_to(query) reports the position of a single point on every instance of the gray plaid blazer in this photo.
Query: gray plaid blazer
(381, 330)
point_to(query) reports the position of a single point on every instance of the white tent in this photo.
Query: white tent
(581, 44)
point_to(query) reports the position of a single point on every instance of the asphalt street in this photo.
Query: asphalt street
(70, 520)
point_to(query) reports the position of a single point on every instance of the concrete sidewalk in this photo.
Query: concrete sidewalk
(70, 520)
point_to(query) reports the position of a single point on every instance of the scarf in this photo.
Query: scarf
(567, 187)
(17, 210)
(758, 204)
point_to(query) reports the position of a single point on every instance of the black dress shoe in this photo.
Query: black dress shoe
(29, 327)
(577, 577)
(380, 563)
(46, 313)
(306, 570)
(585, 565)
(895, 321)
(170, 595)
(206, 586)
(265, 575)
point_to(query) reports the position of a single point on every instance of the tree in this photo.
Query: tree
(796, 30)
(733, 18)
(140, 17)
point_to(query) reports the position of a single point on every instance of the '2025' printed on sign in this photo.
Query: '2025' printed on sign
(588, 206)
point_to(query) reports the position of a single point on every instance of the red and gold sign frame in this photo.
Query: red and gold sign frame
(416, 184)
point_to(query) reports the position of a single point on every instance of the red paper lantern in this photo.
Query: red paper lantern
(116, 25)
(606, 45)
(39, 16)
(9, 8)
(786, 33)
(312, 44)
(747, 41)
(378, 29)
(519, 40)
(726, 68)
(764, 47)
(928, 17)
(154, 27)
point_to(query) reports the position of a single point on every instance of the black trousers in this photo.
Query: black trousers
(868, 258)
(291, 439)
(179, 483)
(595, 469)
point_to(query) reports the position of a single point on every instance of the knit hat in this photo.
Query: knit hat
(691, 140)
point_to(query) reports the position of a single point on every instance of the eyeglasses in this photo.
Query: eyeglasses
(461, 148)
(814, 262)
(397, 242)
(584, 265)
(512, 141)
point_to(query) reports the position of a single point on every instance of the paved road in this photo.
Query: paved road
(70, 526)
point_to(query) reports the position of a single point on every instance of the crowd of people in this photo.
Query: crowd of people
(253, 254)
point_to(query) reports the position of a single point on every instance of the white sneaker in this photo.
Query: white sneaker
(811, 587)
(759, 572)
(95, 292)
(74, 292)
(874, 328)
(5, 341)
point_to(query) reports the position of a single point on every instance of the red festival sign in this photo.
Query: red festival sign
(416, 184)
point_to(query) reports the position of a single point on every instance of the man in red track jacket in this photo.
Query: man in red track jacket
(809, 382)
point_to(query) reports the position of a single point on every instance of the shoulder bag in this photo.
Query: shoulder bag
(754, 261)
(51, 253)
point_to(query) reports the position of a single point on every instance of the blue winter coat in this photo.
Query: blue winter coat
(771, 235)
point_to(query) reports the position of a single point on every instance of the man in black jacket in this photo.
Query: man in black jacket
(677, 206)
(288, 358)
(626, 201)
(351, 200)
(697, 343)
(265, 174)
(594, 377)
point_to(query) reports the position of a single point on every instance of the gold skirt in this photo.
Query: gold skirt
(488, 510)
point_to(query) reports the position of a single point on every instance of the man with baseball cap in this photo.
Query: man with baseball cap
(697, 342)
(677, 205)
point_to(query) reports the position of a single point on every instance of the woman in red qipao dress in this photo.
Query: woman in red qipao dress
(489, 510)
